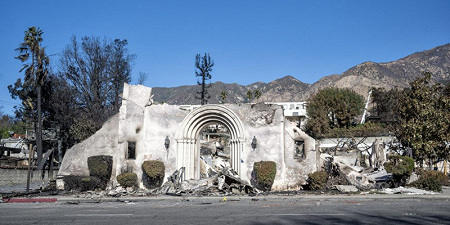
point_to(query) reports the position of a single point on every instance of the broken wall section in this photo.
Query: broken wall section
(103, 142)
(161, 122)
(300, 155)
(275, 142)
(131, 130)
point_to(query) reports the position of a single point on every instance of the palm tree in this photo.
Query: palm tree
(35, 72)
(223, 96)
(249, 95)
(257, 94)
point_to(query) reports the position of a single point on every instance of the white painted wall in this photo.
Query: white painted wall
(148, 125)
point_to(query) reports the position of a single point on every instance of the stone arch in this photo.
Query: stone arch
(188, 147)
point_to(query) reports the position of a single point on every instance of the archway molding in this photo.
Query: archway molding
(188, 145)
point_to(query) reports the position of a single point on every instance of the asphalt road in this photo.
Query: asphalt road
(237, 211)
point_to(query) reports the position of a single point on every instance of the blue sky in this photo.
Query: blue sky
(249, 41)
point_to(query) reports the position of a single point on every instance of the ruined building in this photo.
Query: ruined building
(200, 139)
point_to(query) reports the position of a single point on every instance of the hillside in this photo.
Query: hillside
(359, 78)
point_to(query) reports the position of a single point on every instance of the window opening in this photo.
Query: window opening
(131, 153)
(299, 150)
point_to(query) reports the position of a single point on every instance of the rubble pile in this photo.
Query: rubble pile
(364, 179)
(336, 177)
(225, 182)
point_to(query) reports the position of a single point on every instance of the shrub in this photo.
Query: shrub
(265, 172)
(430, 180)
(317, 180)
(153, 173)
(81, 183)
(361, 130)
(100, 166)
(401, 168)
(127, 180)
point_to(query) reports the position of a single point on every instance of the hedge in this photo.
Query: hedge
(101, 166)
(127, 180)
(430, 180)
(317, 180)
(401, 168)
(264, 172)
(153, 173)
(81, 183)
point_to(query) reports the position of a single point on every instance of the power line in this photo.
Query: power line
(9, 103)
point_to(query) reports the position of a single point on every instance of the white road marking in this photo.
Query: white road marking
(104, 214)
(309, 214)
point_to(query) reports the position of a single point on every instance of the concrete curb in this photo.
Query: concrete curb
(445, 195)
(64, 199)
(371, 197)
(29, 200)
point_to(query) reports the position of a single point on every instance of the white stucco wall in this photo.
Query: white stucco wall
(148, 125)
(103, 142)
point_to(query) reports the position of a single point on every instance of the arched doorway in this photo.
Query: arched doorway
(188, 143)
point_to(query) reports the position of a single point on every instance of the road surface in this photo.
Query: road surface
(233, 211)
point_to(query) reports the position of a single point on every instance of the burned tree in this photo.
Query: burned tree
(204, 67)
(96, 69)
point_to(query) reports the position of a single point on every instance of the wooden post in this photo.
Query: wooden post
(445, 167)
(317, 147)
(30, 155)
(50, 167)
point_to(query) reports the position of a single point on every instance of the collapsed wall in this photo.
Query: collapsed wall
(144, 131)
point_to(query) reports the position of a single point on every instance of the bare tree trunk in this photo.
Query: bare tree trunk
(430, 163)
(39, 126)
(203, 90)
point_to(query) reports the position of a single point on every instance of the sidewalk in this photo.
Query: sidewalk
(126, 199)
(35, 185)
(72, 199)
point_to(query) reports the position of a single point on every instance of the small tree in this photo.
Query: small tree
(332, 108)
(401, 168)
(203, 67)
(423, 120)
(384, 104)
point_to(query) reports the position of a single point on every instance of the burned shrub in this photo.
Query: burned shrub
(81, 183)
(153, 173)
(72, 182)
(317, 181)
(101, 166)
(430, 180)
(127, 180)
(401, 168)
(264, 172)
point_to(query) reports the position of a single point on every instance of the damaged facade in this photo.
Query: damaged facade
(199, 140)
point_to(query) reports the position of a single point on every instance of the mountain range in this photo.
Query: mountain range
(360, 78)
